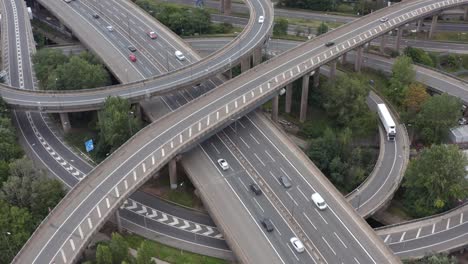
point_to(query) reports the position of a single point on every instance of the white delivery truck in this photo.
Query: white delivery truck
(387, 121)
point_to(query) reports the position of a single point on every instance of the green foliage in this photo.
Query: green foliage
(437, 115)
(16, 225)
(451, 61)
(322, 28)
(402, 76)
(9, 148)
(117, 123)
(103, 254)
(222, 28)
(28, 187)
(318, 5)
(119, 248)
(145, 253)
(364, 7)
(45, 62)
(419, 56)
(281, 27)
(434, 259)
(183, 21)
(435, 180)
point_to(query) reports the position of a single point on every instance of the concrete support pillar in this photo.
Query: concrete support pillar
(137, 111)
(332, 71)
(433, 25)
(289, 91)
(465, 15)
(65, 122)
(228, 74)
(62, 27)
(257, 56)
(419, 24)
(383, 43)
(117, 220)
(304, 98)
(225, 7)
(245, 63)
(316, 80)
(358, 59)
(343, 58)
(274, 108)
(398, 38)
(173, 173)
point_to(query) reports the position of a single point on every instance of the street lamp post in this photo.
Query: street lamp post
(6, 235)
(130, 122)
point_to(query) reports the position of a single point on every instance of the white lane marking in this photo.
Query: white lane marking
(355, 259)
(245, 143)
(290, 196)
(254, 138)
(276, 228)
(107, 203)
(117, 191)
(386, 238)
(433, 228)
(339, 238)
(125, 184)
(402, 236)
(162, 152)
(215, 148)
(310, 221)
(448, 224)
(326, 242)
(302, 193)
(294, 254)
(259, 206)
(321, 216)
(172, 144)
(255, 154)
(152, 160)
(80, 231)
(63, 255)
(245, 186)
(72, 244)
(134, 176)
(269, 155)
(419, 232)
(461, 218)
(90, 224)
(180, 135)
(98, 210)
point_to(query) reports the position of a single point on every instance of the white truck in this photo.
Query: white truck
(387, 121)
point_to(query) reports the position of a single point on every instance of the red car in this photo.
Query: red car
(132, 57)
(152, 35)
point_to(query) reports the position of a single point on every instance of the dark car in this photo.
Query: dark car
(285, 181)
(330, 43)
(267, 224)
(95, 15)
(254, 187)
(132, 48)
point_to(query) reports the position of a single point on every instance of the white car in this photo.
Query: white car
(67, 1)
(297, 244)
(462, 121)
(261, 19)
(223, 164)
(318, 201)
(179, 55)
(384, 19)
(110, 28)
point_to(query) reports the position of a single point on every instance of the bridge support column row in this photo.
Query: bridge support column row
(173, 173)
(65, 120)
(343, 58)
(288, 99)
(117, 220)
(383, 43)
(274, 108)
(332, 72)
(316, 80)
(358, 59)
(433, 25)
(419, 24)
(398, 38)
(304, 98)
(225, 7)
(245, 63)
(257, 56)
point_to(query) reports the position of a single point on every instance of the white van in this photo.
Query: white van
(318, 201)
(179, 55)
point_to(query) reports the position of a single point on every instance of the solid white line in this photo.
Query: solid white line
(339, 238)
(326, 242)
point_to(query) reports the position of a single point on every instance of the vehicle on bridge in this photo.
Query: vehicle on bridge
(387, 121)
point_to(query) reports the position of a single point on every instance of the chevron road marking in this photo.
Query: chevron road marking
(175, 222)
(163, 219)
(154, 213)
(131, 207)
(197, 229)
(142, 211)
(186, 225)
(209, 232)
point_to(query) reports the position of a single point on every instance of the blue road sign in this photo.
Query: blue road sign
(89, 145)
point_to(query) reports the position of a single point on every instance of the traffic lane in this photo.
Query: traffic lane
(269, 166)
(347, 233)
(259, 206)
(119, 38)
(12, 52)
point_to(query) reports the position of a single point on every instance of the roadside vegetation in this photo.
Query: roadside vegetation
(55, 71)
(26, 194)
(360, 7)
(434, 259)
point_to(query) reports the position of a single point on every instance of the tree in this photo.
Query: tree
(103, 254)
(119, 248)
(78, 73)
(145, 253)
(419, 56)
(117, 123)
(322, 28)
(319, 5)
(402, 76)
(16, 225)
(415, 97)
(46, 194)
(345, 99)
(435, 180)
(437, 115)
(9, 148)
(281, 27)
(45, 62)
(434, 259)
